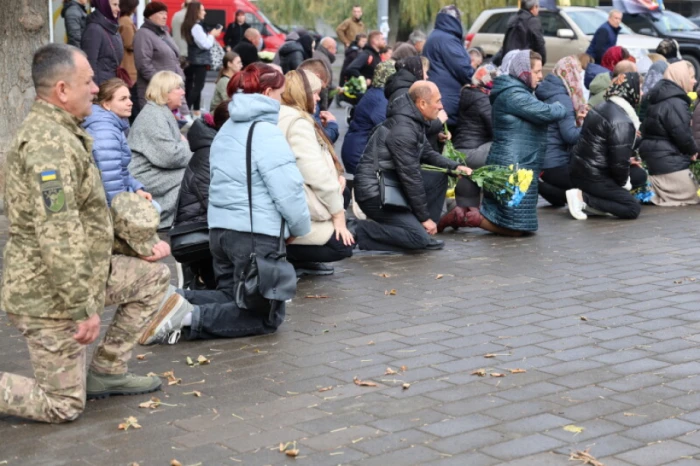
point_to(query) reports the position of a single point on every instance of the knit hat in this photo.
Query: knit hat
(153, 8)
(135, 223)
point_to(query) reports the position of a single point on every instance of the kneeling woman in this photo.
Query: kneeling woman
(600, 161)
(668, 146)
(329, 240)
(277, 195)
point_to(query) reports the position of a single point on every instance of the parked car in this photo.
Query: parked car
(567, 31)
(224, 12)
(667, 24)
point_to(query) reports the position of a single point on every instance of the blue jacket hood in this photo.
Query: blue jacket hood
(449, 24)
(99, 114)
(253, 107)
(551, 86)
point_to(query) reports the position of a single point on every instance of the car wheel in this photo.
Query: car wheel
(693, 61)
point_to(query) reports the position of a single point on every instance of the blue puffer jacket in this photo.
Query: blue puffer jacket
(277, 184)
(519, 137)
(369, 113)
(111, 152)
(450, 65)
(562, 135)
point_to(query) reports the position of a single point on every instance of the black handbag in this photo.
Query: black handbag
(189, 242)
(391, 195)
(265, 281)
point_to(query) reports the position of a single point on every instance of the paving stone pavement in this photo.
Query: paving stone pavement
(604, 316)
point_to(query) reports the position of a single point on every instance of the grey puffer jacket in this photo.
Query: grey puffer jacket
(75, 20)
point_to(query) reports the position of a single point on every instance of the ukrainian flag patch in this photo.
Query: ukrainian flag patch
(49, 175)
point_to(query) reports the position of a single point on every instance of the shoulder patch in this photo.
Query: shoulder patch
(52, 192)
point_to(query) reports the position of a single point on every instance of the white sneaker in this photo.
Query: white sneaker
(576, 205)
(166, 325)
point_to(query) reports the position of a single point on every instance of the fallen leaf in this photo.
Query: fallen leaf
(493, 355)
(406, 385)
(371, 343)
(172, 380)
(634, 414)
(317, 296)
(142, 357)
(189, 361)
(152, 374)
(496, 374)
(153, 403)
(479, 372)
(390, 371)
(574, 429)
(325, 389)
(389, 292)
(439, 276)
(403, 368)
(130, 421)
(175, 462)
(382, 275)
(284, 446)
(194, 392)
(364, 383)
(586, 457)
(292, 453)
(584, 318)
(202, 361)
(517, 371)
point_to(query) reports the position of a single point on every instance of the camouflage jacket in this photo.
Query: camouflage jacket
(57, 257)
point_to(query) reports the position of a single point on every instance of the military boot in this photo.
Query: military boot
(105, 385)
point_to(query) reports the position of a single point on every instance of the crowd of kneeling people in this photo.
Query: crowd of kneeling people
(632, 134)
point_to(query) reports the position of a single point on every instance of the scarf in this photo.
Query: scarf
(654, 75)
(679, 73)
(516, 63)
(103, 7)
(624, 91)
(483, 78)
(568, 69)
(412, 64)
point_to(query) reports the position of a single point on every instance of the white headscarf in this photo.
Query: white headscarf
(516, 63)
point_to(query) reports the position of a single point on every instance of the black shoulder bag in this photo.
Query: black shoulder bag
(391, 195)
(189, 242)
(265, 281)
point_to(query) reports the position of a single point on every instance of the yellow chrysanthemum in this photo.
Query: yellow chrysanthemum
(693, 95)
(510, 167)
(511, 179)
(698, 193)
(524, 179)
(451, 193)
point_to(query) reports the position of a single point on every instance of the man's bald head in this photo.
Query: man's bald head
(625, 66)
(426, 96)
(253, 35)
(330, 44)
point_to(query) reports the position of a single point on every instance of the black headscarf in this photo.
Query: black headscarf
(412, 64)
(627, 86)
(306, 42)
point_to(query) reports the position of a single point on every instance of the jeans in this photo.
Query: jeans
(195, 75)
(389, 231)
(216, 314)
(333, 251)
(606, 196)
(435, 185)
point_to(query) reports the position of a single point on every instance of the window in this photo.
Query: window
(496, 24)
(254, 22)
(551, 23)
(590, 19)
(637, 22)
(672, 22)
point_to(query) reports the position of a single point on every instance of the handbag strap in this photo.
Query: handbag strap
(249, 179)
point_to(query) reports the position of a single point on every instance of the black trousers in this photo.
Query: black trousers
(435, 184)
(333, 251)
(389, 231)
(608, 197)
(555, 182)
(216, 314)
(195, 75)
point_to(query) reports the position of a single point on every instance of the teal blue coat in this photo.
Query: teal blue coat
(520, 124)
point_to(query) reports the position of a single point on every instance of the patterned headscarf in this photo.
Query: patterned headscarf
(568, 69)
(680, 73)
(654, 75)
(483, 78)
(382, 72)
(516, 63)
(626, 86)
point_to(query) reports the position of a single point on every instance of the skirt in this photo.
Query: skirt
(674, 189)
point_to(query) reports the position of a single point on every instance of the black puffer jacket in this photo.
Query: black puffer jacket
(604, 148)
(667, 143)
(524, 31)
(397, 85)
(291, 56)
(399, 144)
(474, 125)
(194, 190)
(364, 64)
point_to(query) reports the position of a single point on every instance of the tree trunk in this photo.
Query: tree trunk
(24, 25)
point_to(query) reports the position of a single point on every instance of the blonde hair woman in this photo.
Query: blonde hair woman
(668, 146)
(160, 152)
(329, 240)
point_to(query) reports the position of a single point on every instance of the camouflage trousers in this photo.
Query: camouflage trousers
(57, 393)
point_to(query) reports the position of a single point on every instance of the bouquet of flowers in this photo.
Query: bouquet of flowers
(508, 185)
(266, 57)
(644, 193)
(354, 87)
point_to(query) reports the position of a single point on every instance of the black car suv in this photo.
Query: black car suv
(669, 25)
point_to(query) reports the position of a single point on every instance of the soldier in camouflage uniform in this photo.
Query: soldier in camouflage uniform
(59, 270)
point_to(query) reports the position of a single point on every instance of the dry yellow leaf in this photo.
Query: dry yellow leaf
(364, 383)
(175, 462)
(586, 457)
(403, 368)
(202, 360)
(130, 421)
(584, 318)
(292, 453)
(390, 371)
(517, 371)
(325, 389)
(141, 357)
(196, 393)
(406, 385)
(382, 275)
(574, 429)
(439, 276)
(496, 374)
(389, 292)
(153, 403)
(480, 372)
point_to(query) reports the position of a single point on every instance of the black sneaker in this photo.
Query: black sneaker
(435, 244)
(313, 268)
